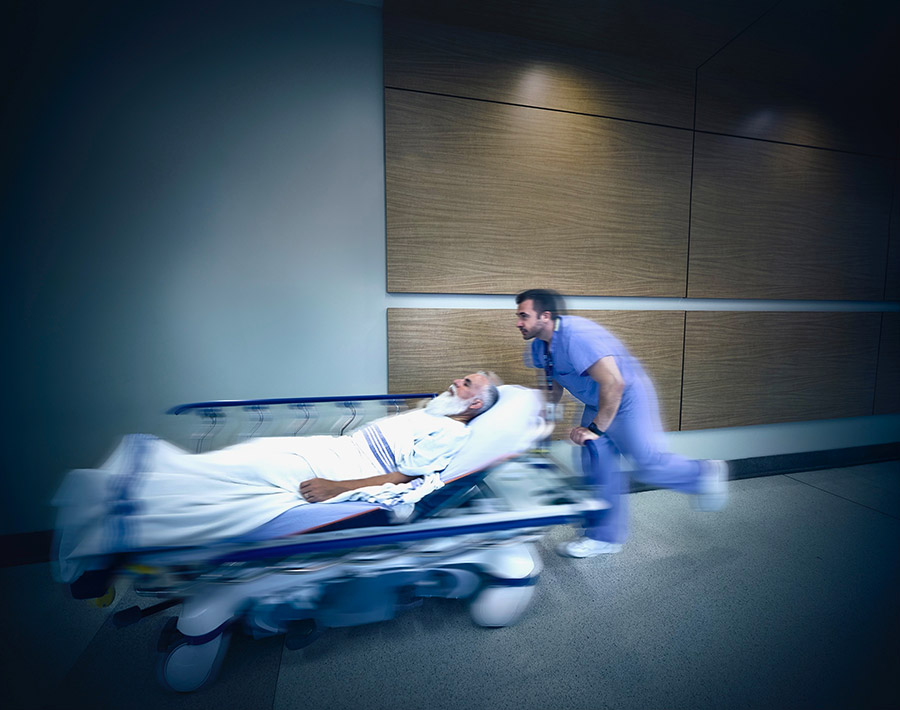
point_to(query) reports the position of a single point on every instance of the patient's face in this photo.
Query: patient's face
(469, 386)
(457, 398)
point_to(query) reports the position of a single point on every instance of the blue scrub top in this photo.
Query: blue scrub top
(576, 345)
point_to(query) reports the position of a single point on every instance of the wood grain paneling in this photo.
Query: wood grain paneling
(462, 62)
(427, 348)
(762, 368)
(487, 198)
(887, 388)
(777, 221)
(774, 111)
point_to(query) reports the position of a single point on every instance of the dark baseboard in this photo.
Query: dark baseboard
(25, 548)
(814, 460)
(781, 464)
(33, 547)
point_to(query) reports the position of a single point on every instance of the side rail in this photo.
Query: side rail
(225, 422)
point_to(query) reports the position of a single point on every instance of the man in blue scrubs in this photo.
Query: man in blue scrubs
(621, 417)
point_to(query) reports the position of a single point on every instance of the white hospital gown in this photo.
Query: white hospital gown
(150, 493)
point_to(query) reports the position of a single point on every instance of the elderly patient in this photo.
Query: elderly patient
(153, 494)
(394, 449)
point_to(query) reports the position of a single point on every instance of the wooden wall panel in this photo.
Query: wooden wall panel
(777, 221)
(887, 387)
(427, 348)
(761, 368)
(773, 111)
(463, 62)
(488, 198)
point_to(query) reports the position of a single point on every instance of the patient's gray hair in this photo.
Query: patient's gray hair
(489, 393)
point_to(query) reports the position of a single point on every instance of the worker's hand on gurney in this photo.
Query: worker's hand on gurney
(317, 490)
(581, 434)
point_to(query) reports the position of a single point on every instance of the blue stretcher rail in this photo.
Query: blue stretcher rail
(181, 408)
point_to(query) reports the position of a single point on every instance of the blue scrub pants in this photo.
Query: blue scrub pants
(636, 432)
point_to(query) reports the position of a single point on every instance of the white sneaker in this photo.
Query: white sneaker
(713, 493)
(585, 547)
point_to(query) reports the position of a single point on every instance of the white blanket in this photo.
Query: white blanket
(151, 494)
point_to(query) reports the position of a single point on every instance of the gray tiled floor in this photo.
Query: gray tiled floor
(788, 599)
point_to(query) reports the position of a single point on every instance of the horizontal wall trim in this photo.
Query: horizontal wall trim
(643, 123)
(610, 303)
(759, 440)
(35, 547)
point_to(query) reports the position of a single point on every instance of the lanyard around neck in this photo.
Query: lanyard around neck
(548, 357)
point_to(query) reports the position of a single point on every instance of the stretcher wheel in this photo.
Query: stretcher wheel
(500, 605)
(185, 667)
(106, 599)
(301, 634)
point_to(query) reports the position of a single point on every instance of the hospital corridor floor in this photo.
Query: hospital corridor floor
(786, 599)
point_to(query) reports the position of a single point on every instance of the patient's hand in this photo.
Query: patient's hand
(315, 490)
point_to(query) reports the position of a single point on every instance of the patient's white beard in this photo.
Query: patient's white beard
(447, 404)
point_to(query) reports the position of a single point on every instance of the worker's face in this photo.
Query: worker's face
(529, 323)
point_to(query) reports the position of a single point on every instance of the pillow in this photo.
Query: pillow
(511, 426)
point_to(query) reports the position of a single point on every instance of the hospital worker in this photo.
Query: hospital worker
(621, 417)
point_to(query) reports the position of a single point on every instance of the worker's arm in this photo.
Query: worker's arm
(606, 373)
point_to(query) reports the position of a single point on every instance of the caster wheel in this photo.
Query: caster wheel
(106, 599)
(500, 606)
(184, 667)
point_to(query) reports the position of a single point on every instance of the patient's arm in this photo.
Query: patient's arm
(315, 490)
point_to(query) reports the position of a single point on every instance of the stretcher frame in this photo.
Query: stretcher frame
(486, 553)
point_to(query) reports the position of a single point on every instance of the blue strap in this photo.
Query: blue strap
(380, 448)
(122, 505)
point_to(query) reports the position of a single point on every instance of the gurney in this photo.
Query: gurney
(331, 565)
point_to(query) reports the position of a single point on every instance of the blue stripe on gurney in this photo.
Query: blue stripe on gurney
(298, 521)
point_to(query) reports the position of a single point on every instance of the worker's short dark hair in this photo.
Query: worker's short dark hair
(544, 299)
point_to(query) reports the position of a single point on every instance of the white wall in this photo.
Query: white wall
(196, 212)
